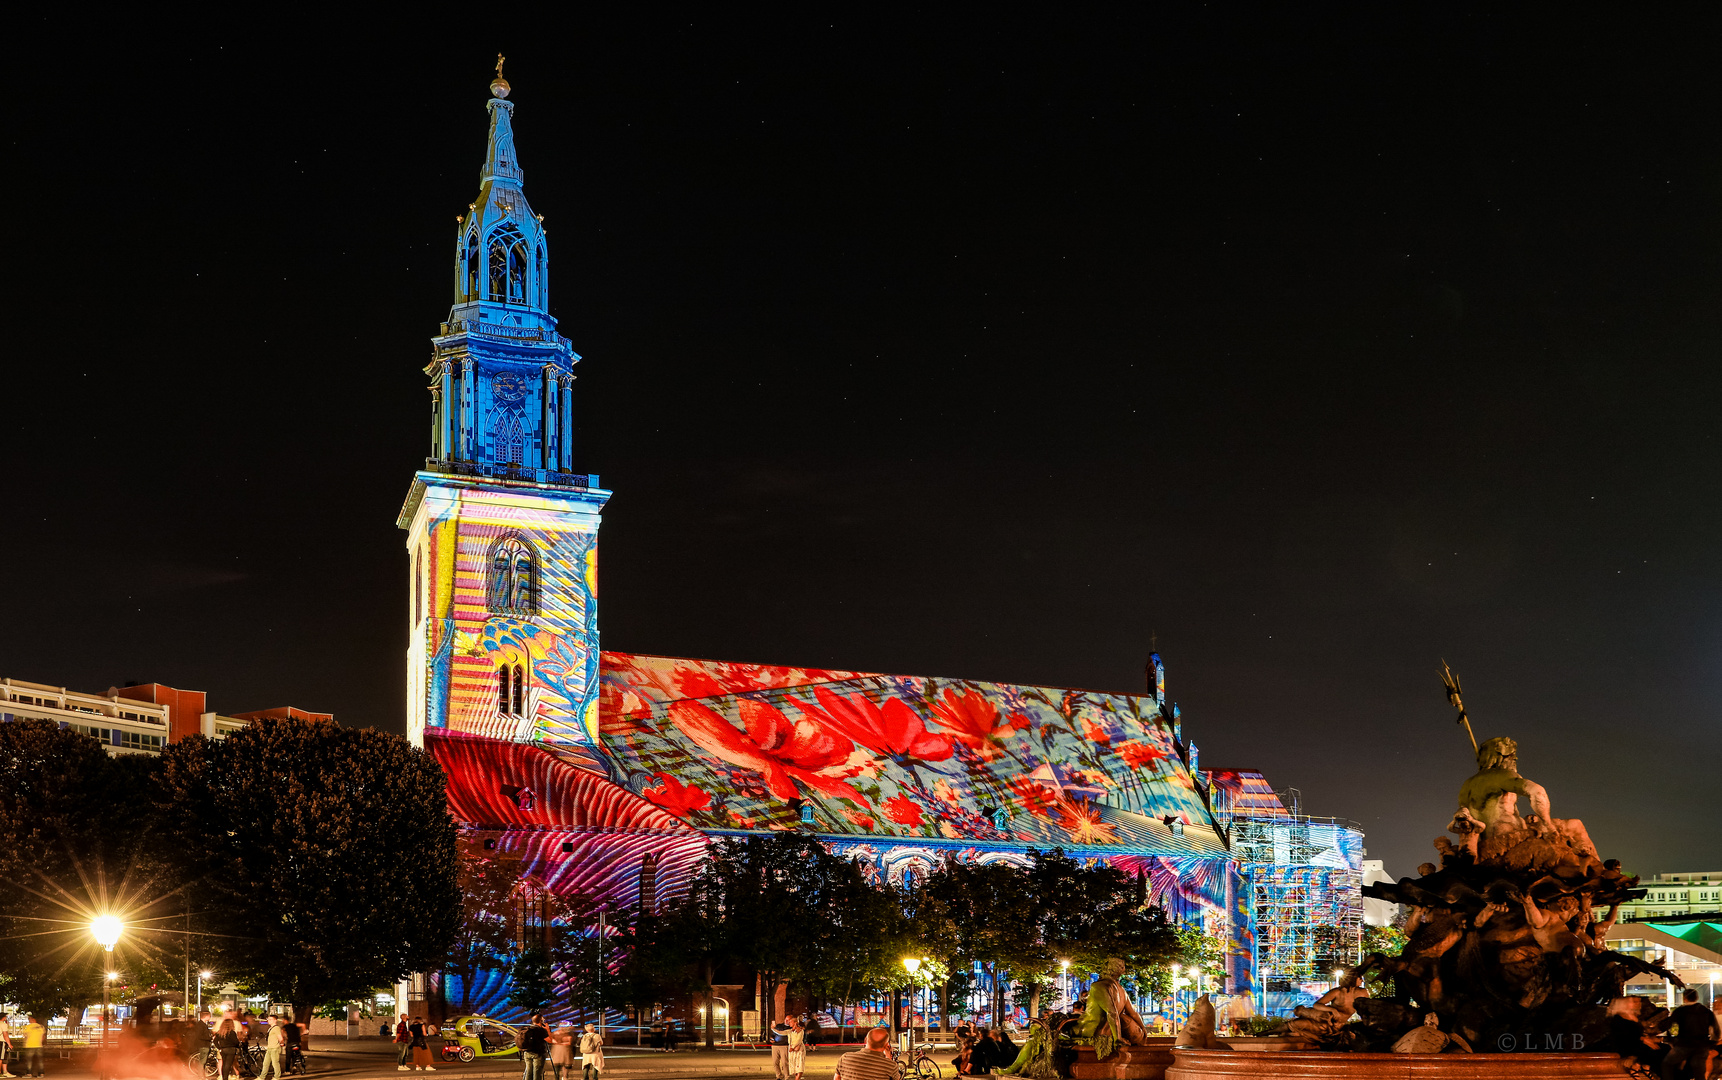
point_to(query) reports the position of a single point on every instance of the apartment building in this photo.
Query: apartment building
(137, 719)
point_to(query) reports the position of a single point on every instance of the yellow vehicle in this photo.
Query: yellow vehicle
(471, 1037)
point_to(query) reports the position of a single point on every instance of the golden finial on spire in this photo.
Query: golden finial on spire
(500, 60)
(499, 85)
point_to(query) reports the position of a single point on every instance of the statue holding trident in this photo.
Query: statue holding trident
(1504, 817)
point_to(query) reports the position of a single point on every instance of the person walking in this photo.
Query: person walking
(534, 1046)
(274, 1052)
(227, 1041)
(562, 1052)
(778, 1037)
(1695, 1033)
(871, 1062)
(797, 1048)
(6, 1050)
(34, 1035)
(421, 1046)
(404, 1040)
(591, 1053)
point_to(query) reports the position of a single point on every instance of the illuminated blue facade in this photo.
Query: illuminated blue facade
(502, 378)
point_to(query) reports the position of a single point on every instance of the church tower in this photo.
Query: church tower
(502, 535)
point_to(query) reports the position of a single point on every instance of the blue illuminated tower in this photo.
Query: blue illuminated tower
(502, 534)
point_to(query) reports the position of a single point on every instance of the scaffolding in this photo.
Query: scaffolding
(1304, 877)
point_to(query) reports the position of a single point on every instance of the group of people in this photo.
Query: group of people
(27, 1051)
(538, 1042)
(788, 1040)
(979, 1051)
(281, 1039)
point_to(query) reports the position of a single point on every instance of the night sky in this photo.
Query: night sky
(1321, 343)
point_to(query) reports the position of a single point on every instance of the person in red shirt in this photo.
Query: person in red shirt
(403, 1039)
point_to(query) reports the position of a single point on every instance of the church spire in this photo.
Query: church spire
(499, 159)
(502, 377)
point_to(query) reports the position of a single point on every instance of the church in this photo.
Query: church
(607, 773)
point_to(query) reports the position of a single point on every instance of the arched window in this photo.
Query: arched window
(472, 265)
(519, 691)
(513, 586)
(502, 684)
(543, 282)
(508, 263)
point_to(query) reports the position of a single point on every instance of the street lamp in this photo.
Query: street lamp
(106, 930)
(913, 964)
(1064, 974)
(1713, 976)
(202, 975)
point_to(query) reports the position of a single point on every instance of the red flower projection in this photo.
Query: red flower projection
(1138, 754)
(894, 731)
(903, 811)
(1032, 796)
(678, 798)
(1095, 733)
(974, 722)
(779, 749)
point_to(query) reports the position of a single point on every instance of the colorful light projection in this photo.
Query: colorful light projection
(731, 747)
(518, 663)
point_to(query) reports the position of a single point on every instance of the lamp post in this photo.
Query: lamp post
(913, 964)
(106, 930)
(1064, 974)
(1713, 976)
(202, 975)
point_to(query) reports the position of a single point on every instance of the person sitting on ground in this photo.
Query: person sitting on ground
(1695, 1032)
(872, 1062)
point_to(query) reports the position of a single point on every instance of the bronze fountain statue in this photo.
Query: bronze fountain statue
(1504, 938)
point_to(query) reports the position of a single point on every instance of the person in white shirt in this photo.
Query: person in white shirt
(274, 1051)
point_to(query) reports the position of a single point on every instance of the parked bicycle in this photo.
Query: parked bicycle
(918, 1062)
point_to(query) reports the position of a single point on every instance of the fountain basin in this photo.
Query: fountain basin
(1247, 1065)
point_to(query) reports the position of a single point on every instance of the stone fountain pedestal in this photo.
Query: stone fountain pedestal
(1129, 1063)
(1317, 1065)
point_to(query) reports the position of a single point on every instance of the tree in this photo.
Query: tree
(534, 983)
(484, 938)
(326, 855)
(70, 824)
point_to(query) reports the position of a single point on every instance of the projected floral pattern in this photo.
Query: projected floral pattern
(732, 746)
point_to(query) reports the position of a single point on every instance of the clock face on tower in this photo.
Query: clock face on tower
(508, 388)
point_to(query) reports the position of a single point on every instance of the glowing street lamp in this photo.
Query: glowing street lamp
(107, 930)
(202, 975)
(913, 965)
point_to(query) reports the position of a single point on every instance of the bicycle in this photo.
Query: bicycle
(918, 1063)
(205, 1063)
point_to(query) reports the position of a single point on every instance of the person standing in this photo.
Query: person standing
(797, 1048)
(873, 1062)
(34, 1035)
(1695, 1032)
(5, 1047)
(779, 1039)
(534, 1045)
(421, 1046)
(591, 1053)
(404, 1041)
(562, 1052)
(274, 1052)
(227, 1041)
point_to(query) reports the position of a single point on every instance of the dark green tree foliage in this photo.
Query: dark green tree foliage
(534, 982)
(70, 821)
(324, 856)
(484, 937)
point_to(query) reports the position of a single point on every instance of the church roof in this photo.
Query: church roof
(751, 747)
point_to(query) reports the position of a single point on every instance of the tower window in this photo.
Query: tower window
(513, 579)
(519, 691)
(503, 682)
(472, 265)
(508, 264)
